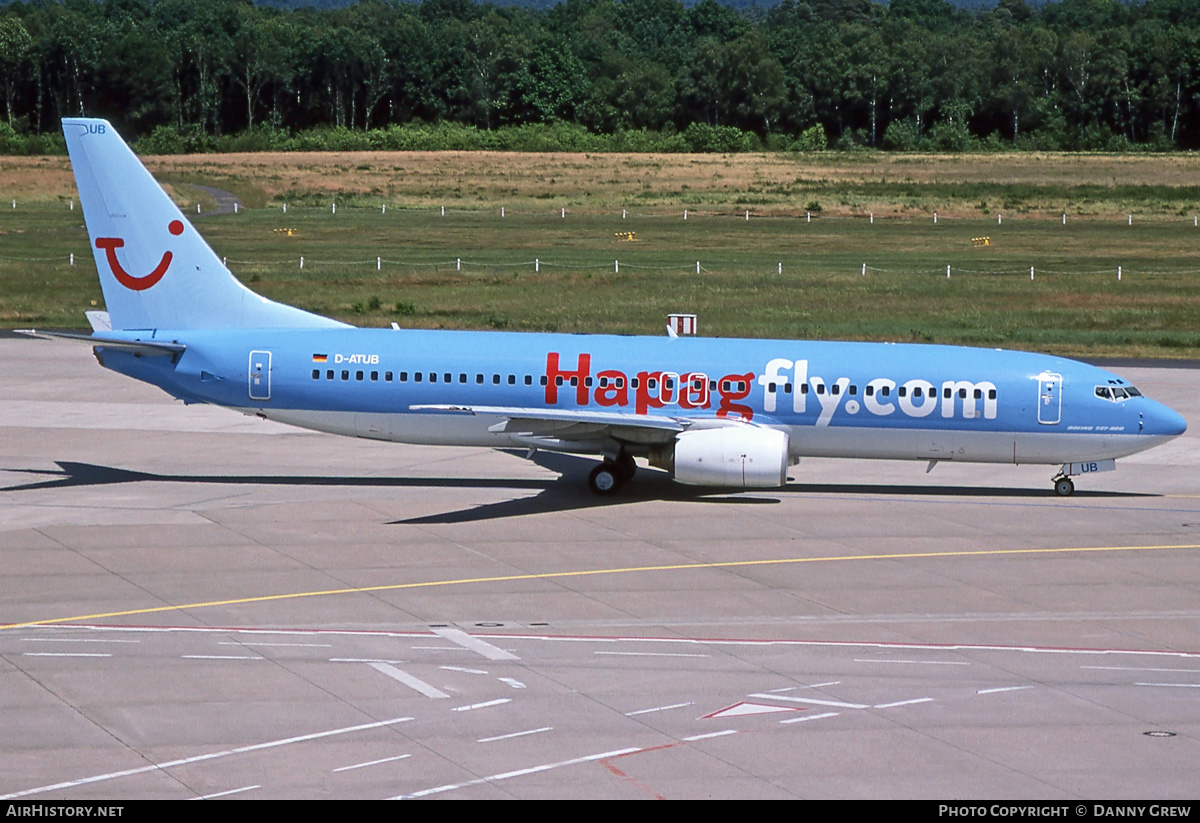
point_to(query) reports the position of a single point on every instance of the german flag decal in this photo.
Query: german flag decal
(320, 358)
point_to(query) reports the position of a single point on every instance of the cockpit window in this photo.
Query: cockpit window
(1117, 393)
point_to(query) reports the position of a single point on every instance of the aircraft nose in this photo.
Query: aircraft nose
(1163, 420)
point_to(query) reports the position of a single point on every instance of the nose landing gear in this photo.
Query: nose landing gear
(1063, 486)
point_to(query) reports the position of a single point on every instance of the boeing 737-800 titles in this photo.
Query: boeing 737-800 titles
(712, 412)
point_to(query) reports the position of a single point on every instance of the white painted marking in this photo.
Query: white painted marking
(515, 734)
(650, 654)
(917, 662)
(473, 706)
(1139, 669)
(658, 709)
(516, 684)
(361, 660)
(694, 738)
(742, 709)
(904, 703)
(835, 703)
(419, 686)
(371, 763)
(812, 686)
(63, 654)
(461, 669)
(1172, 685)
(1003, 689)
(809, 717)
(519, 773)
(437, 648)
(290, 645)
(474, 644)
(227, 793)
(170, 764)
(74, 640)
(219, 657)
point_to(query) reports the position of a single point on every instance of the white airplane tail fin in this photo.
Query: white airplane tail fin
(156, 271)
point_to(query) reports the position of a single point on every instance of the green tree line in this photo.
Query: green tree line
(188, 75)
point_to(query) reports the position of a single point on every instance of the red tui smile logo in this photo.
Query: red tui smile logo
(110, 246)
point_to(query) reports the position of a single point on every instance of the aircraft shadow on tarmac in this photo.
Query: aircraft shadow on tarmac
(567, 493)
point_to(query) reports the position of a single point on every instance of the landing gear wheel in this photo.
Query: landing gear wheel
(604, 479)
(626, 467)
(1064, 486)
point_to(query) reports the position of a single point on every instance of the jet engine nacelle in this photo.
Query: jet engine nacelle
(744, 457)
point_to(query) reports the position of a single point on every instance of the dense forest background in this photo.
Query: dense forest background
(632, 74)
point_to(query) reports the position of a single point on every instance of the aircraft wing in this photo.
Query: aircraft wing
(150, 348)
(568, 425)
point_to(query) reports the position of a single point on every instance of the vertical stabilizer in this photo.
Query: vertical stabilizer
(156, 271)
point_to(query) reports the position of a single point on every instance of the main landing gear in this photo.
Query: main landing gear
(611, 475)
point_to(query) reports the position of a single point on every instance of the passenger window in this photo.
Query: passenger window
(374, 375)
(316, 374)
(416, 377)
(495, 380)
(433, 377)
(512, 380)
(820, 388)
(447, 378)
(529, 380)
(387, 376)
(903, 391)
(345, 374)
(329, 374)
(358, 375)
(479, 379)
(462, 378)
(979, 394)
(542, 381)
(403, 377)
(991, 394)
(835, 389)
(870, 391)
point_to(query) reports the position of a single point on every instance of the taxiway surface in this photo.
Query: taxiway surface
(229, 607)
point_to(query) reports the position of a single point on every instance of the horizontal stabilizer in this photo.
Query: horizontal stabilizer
(150, 348)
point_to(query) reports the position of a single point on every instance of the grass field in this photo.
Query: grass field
(1074, 304)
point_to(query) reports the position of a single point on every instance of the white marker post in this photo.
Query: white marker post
(747, 215)
(458, 264)
(1031, 272)
(697, 267)
(622, 214)
(383, 209)
(872, 218)
(537, 265)
(999, 219)
(443, 211)
(935, 218)
(502, 211)
(947, 271)
(302, 263)
(864, 271)
(1118, 273)
(378, 264)
(808, 217)
(333, 208)
(564, 214)
(1131, 219)
(684, 212)
(285, 208)
(1064, 218)
(72, 258)
(781, 268)
(616, 267)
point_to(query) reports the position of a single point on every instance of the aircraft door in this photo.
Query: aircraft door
(1049, 398)
(260, 375)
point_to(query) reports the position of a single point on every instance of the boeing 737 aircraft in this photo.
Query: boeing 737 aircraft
(712, 412)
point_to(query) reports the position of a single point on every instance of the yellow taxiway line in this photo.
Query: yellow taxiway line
(466, 581)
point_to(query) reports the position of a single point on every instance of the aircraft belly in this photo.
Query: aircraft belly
(420, 429)
(963, 446)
